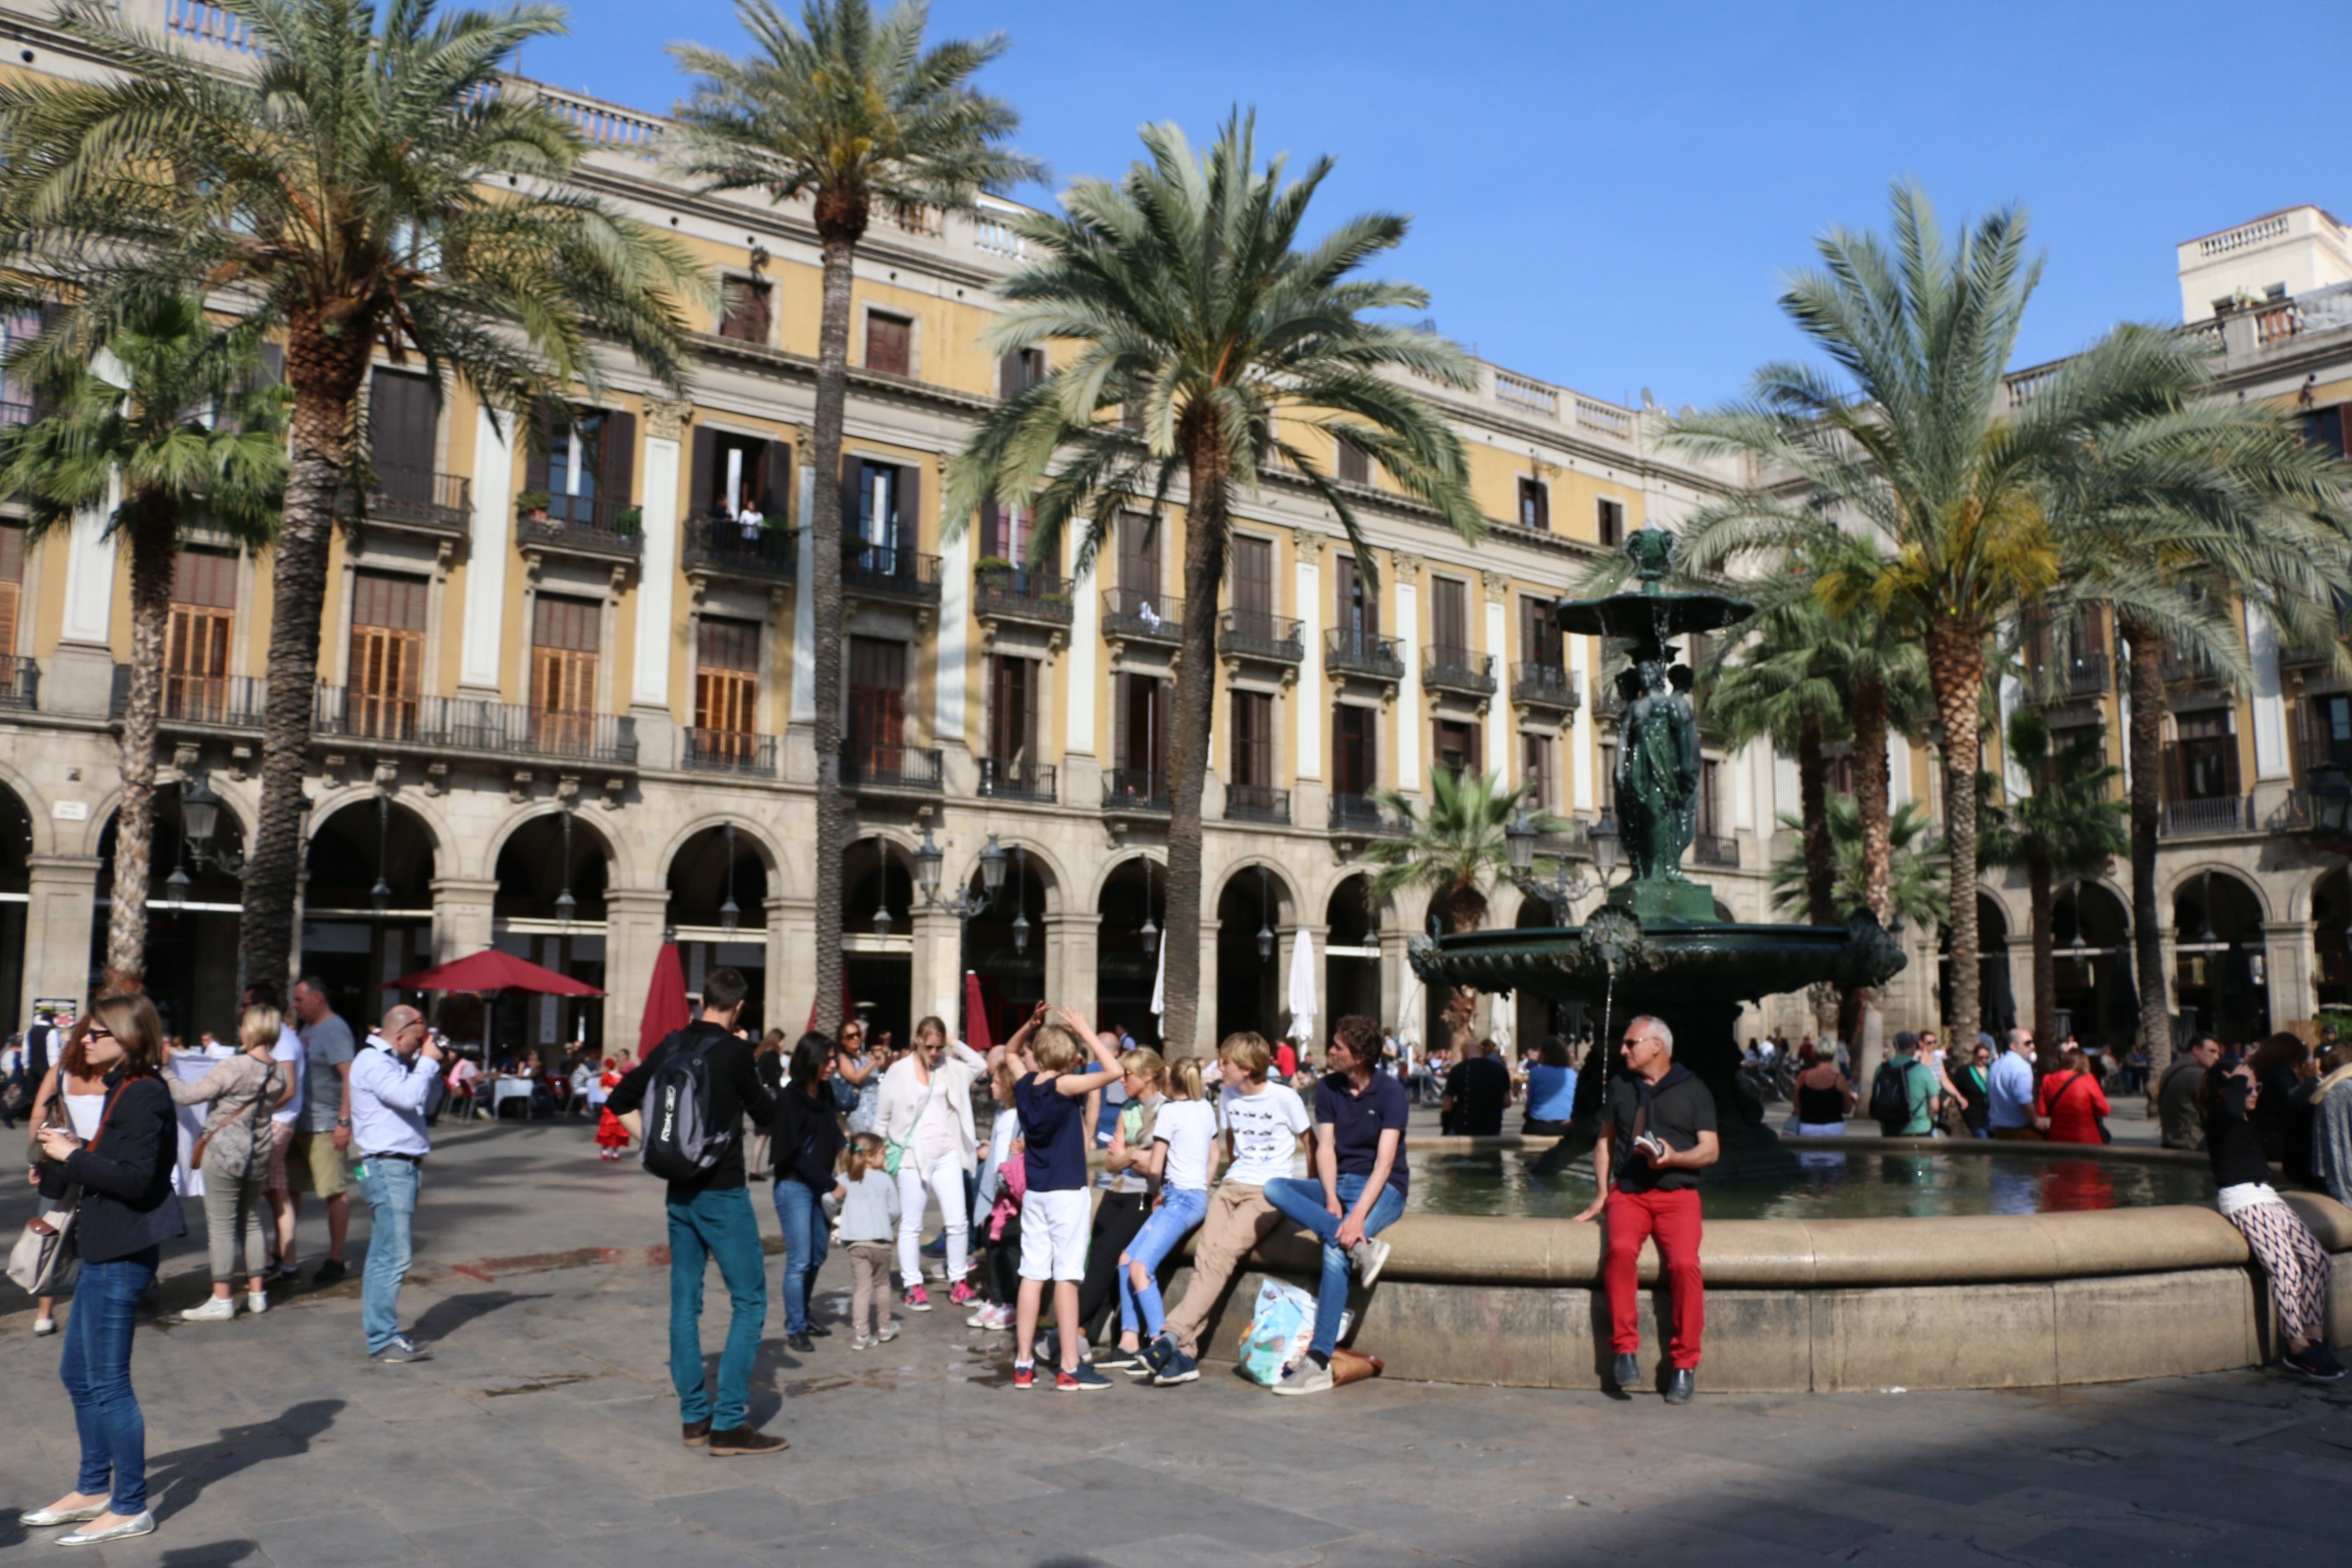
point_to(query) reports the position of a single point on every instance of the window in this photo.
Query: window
(1138, 558)
(739, 475)
(1253, 587)
(387, 654)
(1710, 799)
(1538, 632)
(196, 653)
(1004, 533)
(1608, 521)
(11, 585)
(2328, 738)
(1354, 466)
(726, 690)
(1019, 371)
(747, 316)
(1608, 776)
(2202, 763)
(403, 416)
(584, 465)
(881, 499)
(565, 635)
(1535, 505)
(1012, 718)
(889, 343)
(2323, 428)
(1535, 771)
(1142, 735)
(1454, 745)
(878, 705)
(1252, 743)
(17, 396)
(1355, 753)
(1449, 618)
(1359, 612)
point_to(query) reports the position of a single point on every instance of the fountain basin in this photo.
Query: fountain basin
(1827, 1306)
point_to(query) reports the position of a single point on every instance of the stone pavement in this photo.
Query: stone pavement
(544, 1431)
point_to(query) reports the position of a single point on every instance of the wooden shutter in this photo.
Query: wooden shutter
(12, 587)
(403, 414)
(1012, 716)
(387, 654)
(564, 644)
(1138, 558)
(1359, 612)
(727, 688)
(1449, 614)
(538, 435)
(878, 702)
(905, 496)
(1354, 466)
(1535, 769)
(776, 484)
(616, 455)
(703, 475)
(1538, 638)
(746, 319)
(1253, 585)
(888, 342)
(1352, 748)
(1535, 505)
(1010, 380)
(853, 496)
(1253, 739)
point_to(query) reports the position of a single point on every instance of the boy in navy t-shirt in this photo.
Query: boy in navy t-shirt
(1054, 1214)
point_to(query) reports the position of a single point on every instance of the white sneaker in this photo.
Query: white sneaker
(219, 1309)
(1369, 1257)
(256, 1303)
(1305, 1378)
(44, 1326)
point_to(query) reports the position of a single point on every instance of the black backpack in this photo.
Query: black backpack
(1890, 1097)
(681, 1144)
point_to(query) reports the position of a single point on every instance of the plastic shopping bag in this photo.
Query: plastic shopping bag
(1281, 1325)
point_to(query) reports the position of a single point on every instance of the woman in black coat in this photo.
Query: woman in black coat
(127, 1210)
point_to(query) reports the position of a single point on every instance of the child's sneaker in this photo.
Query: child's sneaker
(917, 1299)
(863, 1342)
(978, 1319)
(963, 1295)
(887, 1333)
(997, 1319)
(1080, 1381)
(1024, 1377)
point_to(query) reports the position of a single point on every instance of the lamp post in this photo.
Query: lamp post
(1265, 915)
(1602, 837)
(381, 894)
(1519, 840)
(566, 906)
(1148, 932)
(963, 904)
(730, 914)
(882, 900)
(199, 820)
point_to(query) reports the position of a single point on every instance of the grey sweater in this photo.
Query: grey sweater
(870, 1211)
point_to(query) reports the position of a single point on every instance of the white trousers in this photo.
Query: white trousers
(944, 1178)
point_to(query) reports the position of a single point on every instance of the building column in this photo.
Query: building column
(480, 649)
(461, 917)
(1072, 948)
(2290, 971)
(780, 1012)
(658, 622)
(635, 919)
(61, 909)
(2020, 977)
(792, 923)
(2171, 941)
(937, 968)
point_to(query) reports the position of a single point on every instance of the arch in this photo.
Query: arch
(702, 876)
(343, 861)
(1286, 894)
(417, 803)
(1045, 867)
(625, 870)
(770, 854)
(1111, 866)
(2216, 916)
(1535, 913)
(17, 845)
(2090, 928)
(2188, 879)
(2331, 935)
(1132, 891)
(40, 828)
(191, 948)
(1249, 992)
(530, 874)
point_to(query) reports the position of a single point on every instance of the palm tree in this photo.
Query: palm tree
(1916, 888)
(2068, 825)
(1919, 443)
(1454, 851)
(1186, 299)
(857, 116)
(193, 443)
(367, 182)
(1776, 685)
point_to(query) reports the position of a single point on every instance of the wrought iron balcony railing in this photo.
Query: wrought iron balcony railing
(1346, 651)
(1462, 670)
(872, 766)
(1132, 615)
(1257, 803)
(729, 752)
(1254, 633)
(719, 545)
(1001, 780)
(1135, 789)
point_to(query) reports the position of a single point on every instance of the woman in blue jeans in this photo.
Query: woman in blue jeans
(806, 1142)
(1359, 1187)
(127, 1208)
(1185, 1140)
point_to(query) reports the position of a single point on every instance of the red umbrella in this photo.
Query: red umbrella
(975, 1015)
(848, 1007)
(666, 1002)
(491, 970)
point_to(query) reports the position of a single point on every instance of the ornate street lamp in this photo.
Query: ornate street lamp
(381, 894)
(1602, 837)
(199, 821)
(566, 906)
(1021, 902)
(1148, 932)
(991, 868)
(1519, 839)
(882, 902)
(1265, 915)
(730, 914)
(927, 866)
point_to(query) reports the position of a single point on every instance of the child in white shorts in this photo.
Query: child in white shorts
(1054, 1214)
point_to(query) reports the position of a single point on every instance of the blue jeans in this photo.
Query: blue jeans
(96, 1370)
(390, 1191)
(1303, 1201)
(800, 1211)
(1180, 1208)
(715, 1224)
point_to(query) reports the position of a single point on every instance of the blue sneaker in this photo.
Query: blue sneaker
(1177, 1368)
(1155, 1358)
(937, 1247)
(1080, 1381)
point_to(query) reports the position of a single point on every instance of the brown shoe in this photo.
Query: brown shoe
(695, 1433)
(745, 1440)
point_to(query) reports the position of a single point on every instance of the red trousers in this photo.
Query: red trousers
(1674, 1219)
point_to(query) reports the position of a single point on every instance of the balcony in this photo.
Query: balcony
(1457, 669)
(878, 768)
(1003, 592)
(2085, 676)
(471, 724)
(1346, 651)
(1714, 849)
(1130, 614)
(1002, 780)
(1135, 790)
(1257, 803)
(2197, 818)
(596, 528)
(20, 682)
(2319, 749)
(422, 501)
(738, 751)
(1546, 687)
(2175, 668)
(1254, 633)
(1361, 816)
(1606, 705)
(197, 701)
(888, 572)
(717, 547)
(2299, 656)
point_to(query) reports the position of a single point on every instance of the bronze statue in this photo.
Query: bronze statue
(1658, 771)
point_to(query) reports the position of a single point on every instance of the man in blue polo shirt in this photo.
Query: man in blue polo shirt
(1359, 1187)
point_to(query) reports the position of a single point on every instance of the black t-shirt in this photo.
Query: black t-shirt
(1680, 1109)
(1479, 1089)
(735, 1089)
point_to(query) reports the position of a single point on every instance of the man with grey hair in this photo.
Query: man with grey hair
(392, 1082)
(2012, 1115)
(1662, 1134)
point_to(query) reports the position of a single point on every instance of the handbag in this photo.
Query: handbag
(893, 1151)
(43, 1260)
(253, 1143)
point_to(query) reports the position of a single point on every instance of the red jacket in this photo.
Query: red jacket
(2073, 1102)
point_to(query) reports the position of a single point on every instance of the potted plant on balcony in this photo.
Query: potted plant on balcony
(532, 506)
(629, 522)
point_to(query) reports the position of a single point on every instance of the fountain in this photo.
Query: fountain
(1655, 945)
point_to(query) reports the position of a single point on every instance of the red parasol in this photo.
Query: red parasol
(975, 1015)
(666, 1012)
(848, 1007)
(491, 970)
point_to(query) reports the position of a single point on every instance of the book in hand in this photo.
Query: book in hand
(1650, 1145)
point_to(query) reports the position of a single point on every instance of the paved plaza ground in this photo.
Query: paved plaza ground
(544, 1431)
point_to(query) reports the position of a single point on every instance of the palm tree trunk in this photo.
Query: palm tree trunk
(324, 364)
(2045, 962)
(1871, 791)
(2145, 738)
(1821, 859)
(840, 232)
(1956, 675)
(151, 534)
(1196, 686)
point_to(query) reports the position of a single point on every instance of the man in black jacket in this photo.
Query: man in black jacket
(711, 1217)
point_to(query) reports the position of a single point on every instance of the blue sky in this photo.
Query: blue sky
(1607, 196)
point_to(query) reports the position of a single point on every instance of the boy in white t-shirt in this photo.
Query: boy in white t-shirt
(1262, 1124)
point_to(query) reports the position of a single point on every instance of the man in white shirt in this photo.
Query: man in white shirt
(392, 1082)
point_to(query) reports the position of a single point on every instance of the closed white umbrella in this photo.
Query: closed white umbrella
(1302, 989)
(1409, 1013)
(1160, 983)
(1504, 1006)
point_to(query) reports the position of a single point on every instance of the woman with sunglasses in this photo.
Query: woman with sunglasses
(127, 1209)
